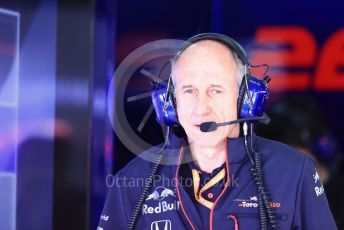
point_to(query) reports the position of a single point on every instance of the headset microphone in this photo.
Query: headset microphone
(212, 126)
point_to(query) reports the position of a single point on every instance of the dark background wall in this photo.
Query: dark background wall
(64, 144)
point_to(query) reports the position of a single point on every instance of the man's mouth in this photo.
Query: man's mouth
(197, 125)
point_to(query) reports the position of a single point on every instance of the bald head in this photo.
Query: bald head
(206, 54)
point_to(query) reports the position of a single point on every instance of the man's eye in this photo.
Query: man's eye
(188, 91)
(216, 91)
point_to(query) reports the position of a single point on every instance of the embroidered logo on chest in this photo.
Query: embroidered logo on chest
(160, 200)
(252, 202)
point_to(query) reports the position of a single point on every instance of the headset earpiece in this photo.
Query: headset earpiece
(252, 99)
(164, 104)
(242, 90)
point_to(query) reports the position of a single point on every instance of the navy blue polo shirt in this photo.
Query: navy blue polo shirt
(297, 195)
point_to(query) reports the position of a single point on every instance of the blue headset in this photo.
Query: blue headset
(253, 92)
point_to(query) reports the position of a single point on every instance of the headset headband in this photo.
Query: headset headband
(227, 41)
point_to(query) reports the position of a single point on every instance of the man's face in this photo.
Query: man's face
(206, 90)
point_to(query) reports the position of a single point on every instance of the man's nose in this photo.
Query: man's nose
(202, 106)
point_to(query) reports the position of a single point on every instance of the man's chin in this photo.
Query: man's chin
(206, 140)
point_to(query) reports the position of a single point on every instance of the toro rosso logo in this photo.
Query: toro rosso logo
(157, 202)
(160, 193)
(252, 202)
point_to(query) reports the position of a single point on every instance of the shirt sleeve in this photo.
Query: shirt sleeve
(312, 210)
(114, 215)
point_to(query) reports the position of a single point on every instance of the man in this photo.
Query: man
(206, 75)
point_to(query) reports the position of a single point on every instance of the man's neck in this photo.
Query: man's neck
(209, 158)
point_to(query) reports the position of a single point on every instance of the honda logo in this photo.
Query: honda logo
(161, 225)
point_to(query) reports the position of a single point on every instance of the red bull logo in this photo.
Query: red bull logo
(160, 208)
(160, 193)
